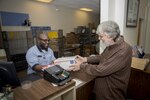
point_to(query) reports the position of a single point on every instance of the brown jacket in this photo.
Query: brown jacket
(112, 71)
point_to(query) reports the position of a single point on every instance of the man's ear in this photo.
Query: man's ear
(37, 41)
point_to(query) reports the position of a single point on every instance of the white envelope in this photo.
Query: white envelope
(65, 62)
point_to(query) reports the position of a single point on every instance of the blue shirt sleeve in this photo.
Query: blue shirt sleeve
(52, 53)
(31, 58)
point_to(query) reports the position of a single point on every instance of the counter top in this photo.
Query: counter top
(83, 76)
(41, 89)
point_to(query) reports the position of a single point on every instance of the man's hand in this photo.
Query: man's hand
(81, 59)
(76, 67)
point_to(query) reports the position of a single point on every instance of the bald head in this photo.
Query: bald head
(42, 40)
(41, 34)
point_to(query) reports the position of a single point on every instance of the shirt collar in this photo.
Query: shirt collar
(119, 40)
(39, 48)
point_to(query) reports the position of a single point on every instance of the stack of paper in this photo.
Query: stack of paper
(65, 62)
(139, 63)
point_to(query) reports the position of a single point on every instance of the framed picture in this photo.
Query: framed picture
(132, 13)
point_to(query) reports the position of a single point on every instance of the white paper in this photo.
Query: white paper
(65, 62)
(77, 81)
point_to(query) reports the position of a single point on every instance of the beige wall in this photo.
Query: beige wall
(42, 14)
(147, 35)
(131, 34)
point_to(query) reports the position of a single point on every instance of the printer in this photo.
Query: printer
(56, 75)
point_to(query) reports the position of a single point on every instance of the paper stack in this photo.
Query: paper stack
(65, 62)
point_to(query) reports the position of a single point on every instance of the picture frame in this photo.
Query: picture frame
(132, 13)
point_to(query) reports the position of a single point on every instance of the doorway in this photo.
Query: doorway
(147, 36)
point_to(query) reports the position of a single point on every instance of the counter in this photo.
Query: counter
(139, 83)
(84, 91)
(138, 88)
(42, 89)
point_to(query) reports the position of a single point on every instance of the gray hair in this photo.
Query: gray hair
(109, 27)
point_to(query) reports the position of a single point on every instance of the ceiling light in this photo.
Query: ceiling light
(46, 1)
(57, 9)
(86, 9)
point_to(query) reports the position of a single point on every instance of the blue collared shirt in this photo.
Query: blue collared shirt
(36, 56)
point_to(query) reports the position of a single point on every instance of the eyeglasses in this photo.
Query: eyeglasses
(45, 40)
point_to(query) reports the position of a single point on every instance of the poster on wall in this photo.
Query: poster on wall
(132, 13)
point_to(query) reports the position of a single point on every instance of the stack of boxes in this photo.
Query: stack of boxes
(71, 38)
(72, 41)
(56, 42)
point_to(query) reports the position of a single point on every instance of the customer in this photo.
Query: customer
(39, 55)
(112, 67)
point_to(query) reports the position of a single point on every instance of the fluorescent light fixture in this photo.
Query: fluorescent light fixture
(86, 9)
(46, 1)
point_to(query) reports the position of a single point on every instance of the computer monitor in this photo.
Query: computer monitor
(8, 74)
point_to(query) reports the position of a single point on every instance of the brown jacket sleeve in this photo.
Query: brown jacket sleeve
(94, 59)
(114, 63)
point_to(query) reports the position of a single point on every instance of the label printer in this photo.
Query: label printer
(56, 75)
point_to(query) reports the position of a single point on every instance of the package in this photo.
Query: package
(65, 62)
(139, 63)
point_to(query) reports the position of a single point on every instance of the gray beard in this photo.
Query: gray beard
(102, 47)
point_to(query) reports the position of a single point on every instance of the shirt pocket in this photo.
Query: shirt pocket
(48, 59)
(40, 59)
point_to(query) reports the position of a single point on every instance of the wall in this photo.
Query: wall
(132, 33)
(142, 15)
(42, 14)
(104, 10)
(147, 35)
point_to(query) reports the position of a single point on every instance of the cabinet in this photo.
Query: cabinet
(139, 83)
(16, 43)
(14, 37)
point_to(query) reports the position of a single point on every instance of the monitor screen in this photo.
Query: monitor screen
(8, 74)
